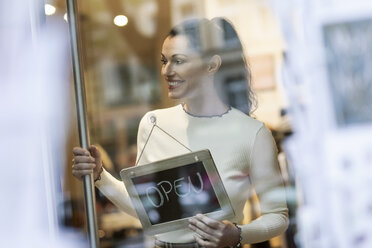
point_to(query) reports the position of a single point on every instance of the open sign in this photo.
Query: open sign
(167, 192)
(181, 187)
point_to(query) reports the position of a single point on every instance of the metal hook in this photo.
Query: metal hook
(153, 119)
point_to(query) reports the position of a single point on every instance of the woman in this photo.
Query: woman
(193, 55)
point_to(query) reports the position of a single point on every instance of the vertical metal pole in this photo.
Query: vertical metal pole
(90, 201)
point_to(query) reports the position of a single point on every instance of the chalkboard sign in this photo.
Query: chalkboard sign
(166, 193)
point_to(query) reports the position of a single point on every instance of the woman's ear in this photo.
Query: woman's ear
(214, 64)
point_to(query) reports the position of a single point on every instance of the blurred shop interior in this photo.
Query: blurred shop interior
(121, 41)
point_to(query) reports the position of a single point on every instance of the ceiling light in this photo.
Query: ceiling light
(120, 20)
(49, 9)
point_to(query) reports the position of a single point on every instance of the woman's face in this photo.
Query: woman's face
(182, 67)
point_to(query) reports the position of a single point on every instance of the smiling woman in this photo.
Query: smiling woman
(183, 69)
(194, 56)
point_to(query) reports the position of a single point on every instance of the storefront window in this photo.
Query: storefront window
(214, 123)
(123, 42)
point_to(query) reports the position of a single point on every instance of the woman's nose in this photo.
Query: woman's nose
(168, 70)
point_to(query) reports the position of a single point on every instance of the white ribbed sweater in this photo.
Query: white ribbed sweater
(244, 153)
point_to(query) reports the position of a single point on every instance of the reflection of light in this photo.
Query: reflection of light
(49, 9)
(65, 17)
(154, 216)
(203, 198)
(101, 233)
(120, 20)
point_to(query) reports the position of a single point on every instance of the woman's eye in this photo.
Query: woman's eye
(179, 61)
(163, 61)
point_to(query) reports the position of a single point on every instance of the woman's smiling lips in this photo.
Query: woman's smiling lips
(174, 84)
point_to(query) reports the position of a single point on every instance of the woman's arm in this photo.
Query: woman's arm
(116, 192)
(86, 162)
(267, 180)
(89, 161)
(268, 184)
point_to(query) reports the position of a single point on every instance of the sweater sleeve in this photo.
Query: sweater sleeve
(115, 189)
(268, 184)
(116, 192)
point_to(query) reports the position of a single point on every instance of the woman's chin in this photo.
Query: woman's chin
(174, 95)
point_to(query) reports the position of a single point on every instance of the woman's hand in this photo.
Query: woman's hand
(86, 162)
(212, 233)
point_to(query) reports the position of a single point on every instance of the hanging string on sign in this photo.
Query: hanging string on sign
(153, 121)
